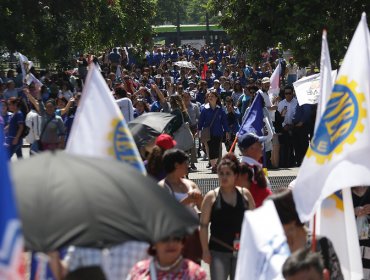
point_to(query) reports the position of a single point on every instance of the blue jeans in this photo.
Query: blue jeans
(222, 265)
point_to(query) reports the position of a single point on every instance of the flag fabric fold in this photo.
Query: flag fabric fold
(263, 246)
(308, 89)
(338, 155)
(275, 80)
(253, 121)
(99, 129)
(335, 217)
(11, 239)
(336, 221)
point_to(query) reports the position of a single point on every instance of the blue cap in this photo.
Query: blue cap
(248, 139)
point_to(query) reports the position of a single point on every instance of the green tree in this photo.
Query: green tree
(254, 25)
(54, 30)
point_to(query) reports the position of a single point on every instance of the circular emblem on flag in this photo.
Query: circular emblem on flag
(122, 146)
(341, 120)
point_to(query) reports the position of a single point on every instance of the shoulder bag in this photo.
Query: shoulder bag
(205, 134)
(183, 136)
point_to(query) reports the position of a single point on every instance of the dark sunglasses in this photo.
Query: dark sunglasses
(289, 92)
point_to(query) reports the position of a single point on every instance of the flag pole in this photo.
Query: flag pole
(313, 244)
(233, 145)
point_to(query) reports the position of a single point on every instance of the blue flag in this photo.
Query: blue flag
(254, 120)
(11, 241)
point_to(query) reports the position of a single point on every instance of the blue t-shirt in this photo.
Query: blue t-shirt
(15, 120)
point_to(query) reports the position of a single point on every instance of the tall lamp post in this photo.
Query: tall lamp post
(207, 29)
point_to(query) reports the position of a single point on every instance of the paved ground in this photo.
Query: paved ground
(279, 178)
(206, 181)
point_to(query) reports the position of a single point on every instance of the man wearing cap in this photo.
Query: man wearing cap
(216, 87)
(251, 147)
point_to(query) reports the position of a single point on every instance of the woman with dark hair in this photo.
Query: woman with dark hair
(15, 127)
(179, 110)
(214, 118)
(175, 163)
(297, 234)
(154, 164)
(224, 208)
(167, 263)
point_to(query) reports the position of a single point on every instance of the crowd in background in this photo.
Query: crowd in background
(207, 88)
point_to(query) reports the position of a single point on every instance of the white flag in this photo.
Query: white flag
(335, 217)
(99, 129)
(275, 81)
(336, 221)
(339, 153)
(263, 245)
(23, 61)
(308, 88)
(326, 78)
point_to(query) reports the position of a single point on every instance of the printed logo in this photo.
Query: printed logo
(341, 120)
(123, 147)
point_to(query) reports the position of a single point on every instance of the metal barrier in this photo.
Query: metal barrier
(277, 183)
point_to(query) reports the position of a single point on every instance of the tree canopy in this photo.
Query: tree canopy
(54, 30)
(255, 25)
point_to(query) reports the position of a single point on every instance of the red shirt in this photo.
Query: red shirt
(259, 194)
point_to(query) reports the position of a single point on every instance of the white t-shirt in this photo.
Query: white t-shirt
(291, 107)
(125, 105)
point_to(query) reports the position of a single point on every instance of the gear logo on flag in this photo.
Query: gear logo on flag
(122, 148)
(341, 120)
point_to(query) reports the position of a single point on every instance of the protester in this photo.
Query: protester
(15, 128)
(224, 208)
(185, 191)
(154, 162)
(52, 135)
(303, 264)
(251, 147)
(298, 236)
(167, 263)
(214, 118)
(361, 204)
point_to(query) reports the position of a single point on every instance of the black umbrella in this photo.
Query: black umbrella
(65, 200)
(148, 126)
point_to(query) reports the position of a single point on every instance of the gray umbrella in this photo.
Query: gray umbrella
(149, 126)
(66, 200)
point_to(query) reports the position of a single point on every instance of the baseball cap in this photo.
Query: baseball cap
(248, 139)
(165, 141)
(265, 80)
(216, 81)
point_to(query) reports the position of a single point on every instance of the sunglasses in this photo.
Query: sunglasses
(288, 92)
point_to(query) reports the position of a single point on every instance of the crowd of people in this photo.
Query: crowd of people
(213, 95)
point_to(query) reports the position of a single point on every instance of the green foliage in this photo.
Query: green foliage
(254, 25)
(54, 30)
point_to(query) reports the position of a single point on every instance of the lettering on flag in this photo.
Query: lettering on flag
(341, 120)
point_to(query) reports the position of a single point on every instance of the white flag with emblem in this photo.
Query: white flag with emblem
(338, 156)
(99, 129)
